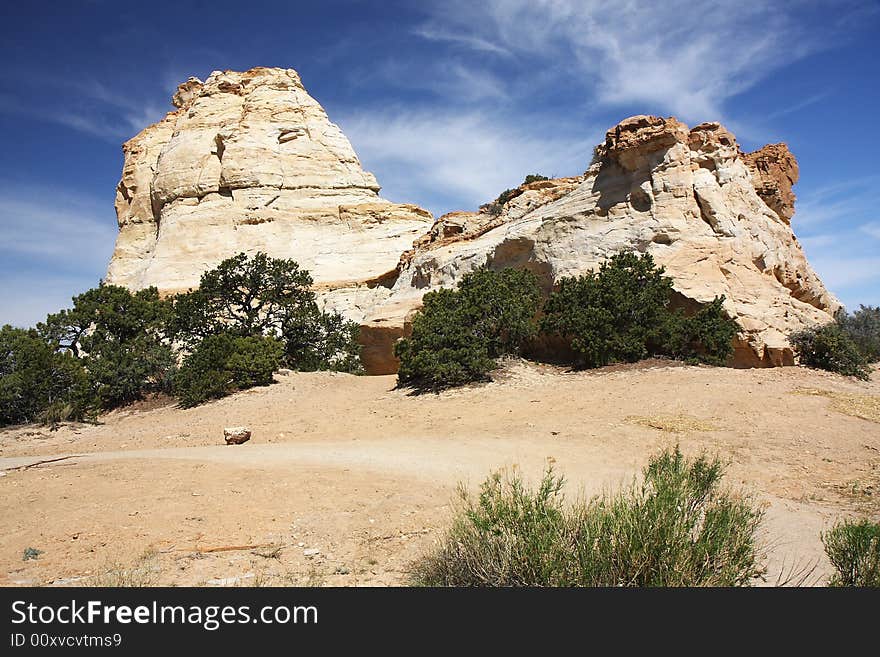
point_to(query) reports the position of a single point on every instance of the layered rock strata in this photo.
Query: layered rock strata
(250, 162)
(718, 220)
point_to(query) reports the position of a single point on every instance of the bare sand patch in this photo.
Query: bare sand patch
(346, 480)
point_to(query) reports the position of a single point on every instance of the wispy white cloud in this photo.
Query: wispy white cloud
(798, 106)
(842, 273)
(832, 222)
(446, 79)
(89, 106)
(52, 226)
(846, 262)
(816, 242)
(135, 114)
(446, 159)
(872, 229)
(88, 123)
(838, 201)
(685, 58)
(473, 42)
(27, 299)
(54, 244)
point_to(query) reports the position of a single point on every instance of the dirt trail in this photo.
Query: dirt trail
(346, 480)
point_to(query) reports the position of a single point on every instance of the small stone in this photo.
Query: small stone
(311, 552)
(236, 435)
(229, 581)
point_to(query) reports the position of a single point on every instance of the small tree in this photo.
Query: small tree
(830, 348)
(243, 296)
(105, 313)
(863, 328)
(705, 337)
(443, 350)
(224, 363)
(501, 307)
(39, 383)
(119, 337)
(505, 196)
(612, 314)
(315, 340)
(458, 333)
(263, 296)
(622, 312)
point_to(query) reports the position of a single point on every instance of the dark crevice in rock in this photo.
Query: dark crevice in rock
(221, 148)
(386, 280)
(639, 200)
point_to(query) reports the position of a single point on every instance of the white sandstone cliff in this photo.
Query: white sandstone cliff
(715, 218)
(250, 162)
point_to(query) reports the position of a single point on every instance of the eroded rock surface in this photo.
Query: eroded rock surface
(716, 219)
(250, 162)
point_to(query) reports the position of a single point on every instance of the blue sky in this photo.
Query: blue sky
(448, 103)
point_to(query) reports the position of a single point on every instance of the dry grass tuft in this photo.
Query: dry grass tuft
(866, 407)
(680, 423)
(144, 572)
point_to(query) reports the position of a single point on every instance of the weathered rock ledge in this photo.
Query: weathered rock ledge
(250, 162)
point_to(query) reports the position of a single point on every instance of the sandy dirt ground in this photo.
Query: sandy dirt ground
(346, 480)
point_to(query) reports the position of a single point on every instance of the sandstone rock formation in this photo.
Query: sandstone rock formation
(250, 162)
(236, 435)
(717, 219)
(774, 171)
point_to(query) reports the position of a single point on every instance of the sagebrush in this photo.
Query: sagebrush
(677, 527)
(853, 547)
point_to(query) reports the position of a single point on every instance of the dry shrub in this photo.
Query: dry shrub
(676, 528)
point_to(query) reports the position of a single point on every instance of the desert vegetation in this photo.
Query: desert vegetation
(863, 328)
(676, 527)
(621, 313)
(37, 382)
(459, 333)
(249, 317)
(853, 547)
(494, 207)
(848, 345)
